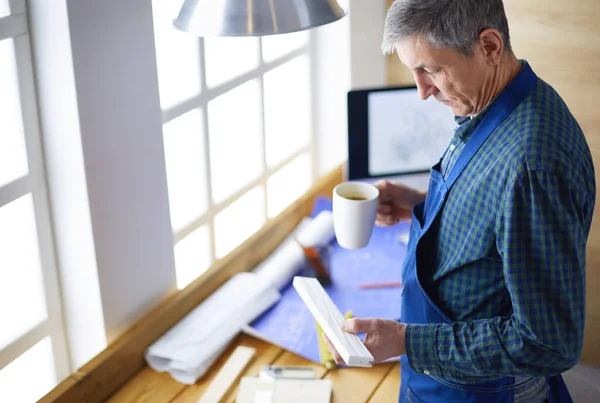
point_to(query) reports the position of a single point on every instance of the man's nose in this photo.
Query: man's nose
(425, 88)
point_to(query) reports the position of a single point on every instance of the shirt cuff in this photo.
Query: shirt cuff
(421, 349)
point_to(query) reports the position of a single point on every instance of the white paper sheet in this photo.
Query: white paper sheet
(255, 390)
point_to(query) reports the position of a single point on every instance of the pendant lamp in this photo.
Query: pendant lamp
(255, 17)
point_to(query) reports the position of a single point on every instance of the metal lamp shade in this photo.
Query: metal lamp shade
(255, 17)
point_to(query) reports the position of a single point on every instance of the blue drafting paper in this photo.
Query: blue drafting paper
(289, 323)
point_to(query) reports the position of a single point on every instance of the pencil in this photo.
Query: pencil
(313, 257)
(389, 284)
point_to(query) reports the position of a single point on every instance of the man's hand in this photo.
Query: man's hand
(385, 338)
(396, 202)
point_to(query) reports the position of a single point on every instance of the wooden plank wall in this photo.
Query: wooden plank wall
(561, 41)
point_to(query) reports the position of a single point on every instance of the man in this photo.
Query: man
(493, 301)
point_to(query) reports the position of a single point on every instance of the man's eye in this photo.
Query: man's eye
(428, 72)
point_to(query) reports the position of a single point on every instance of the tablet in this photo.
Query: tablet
(392, 132)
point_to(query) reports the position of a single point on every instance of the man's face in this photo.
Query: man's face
(453, 79)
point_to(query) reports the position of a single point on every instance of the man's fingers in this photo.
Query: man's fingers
(384, 217)
(384, 208)
(386, 221)
(360, 325)
(383, 187)
(385, 214)
(383, 222)
(382, 184)
(336, 356)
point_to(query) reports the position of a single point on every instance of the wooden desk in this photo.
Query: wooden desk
(379, 384)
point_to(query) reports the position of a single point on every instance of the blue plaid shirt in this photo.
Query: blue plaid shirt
(508, 261)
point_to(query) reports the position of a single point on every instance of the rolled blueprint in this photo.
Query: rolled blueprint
(281, 266)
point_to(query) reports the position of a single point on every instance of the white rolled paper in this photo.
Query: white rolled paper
(281, 266)
(319, 232)
(188, 349)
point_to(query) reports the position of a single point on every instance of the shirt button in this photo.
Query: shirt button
(426, 372)
(452, 147)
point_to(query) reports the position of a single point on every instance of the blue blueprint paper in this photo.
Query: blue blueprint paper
(289, 323)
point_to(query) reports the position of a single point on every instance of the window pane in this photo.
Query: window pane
(235, 140)
(22, 303)
(4, 8)
(227, 58)
(192, 256)
(13, 155)
(288, 184)
(275, 46)
(186, 176)
(239, 221)
(29, 377)
(177, 56)
(287, 110)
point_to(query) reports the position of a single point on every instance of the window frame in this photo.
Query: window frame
(15, 27)
(201, 102)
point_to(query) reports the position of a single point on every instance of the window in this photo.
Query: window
(237, 133)
(33, 349)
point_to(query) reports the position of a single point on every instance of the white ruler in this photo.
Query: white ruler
(228, 374)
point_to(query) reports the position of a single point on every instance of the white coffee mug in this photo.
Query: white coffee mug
(354, 212)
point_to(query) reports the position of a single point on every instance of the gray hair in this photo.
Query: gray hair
(445, 24)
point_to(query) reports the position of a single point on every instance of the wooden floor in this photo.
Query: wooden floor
(350, 385)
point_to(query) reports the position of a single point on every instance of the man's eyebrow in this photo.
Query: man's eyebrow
(428, 68)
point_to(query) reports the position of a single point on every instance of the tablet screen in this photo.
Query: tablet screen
(393, 132)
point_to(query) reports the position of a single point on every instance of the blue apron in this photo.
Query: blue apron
(417, 307)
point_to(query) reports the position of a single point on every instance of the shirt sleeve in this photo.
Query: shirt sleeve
(541, 237)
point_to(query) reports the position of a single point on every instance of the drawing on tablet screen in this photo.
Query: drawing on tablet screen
(405, 133)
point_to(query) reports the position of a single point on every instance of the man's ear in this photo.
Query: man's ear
(492, 45)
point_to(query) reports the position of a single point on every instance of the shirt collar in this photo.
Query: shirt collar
(467, 125)
(460, 120)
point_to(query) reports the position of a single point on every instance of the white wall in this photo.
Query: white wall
(121, 129)
(366, 31)
(349, 57)
(101, 123)
(332, 83)
(66, 177)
